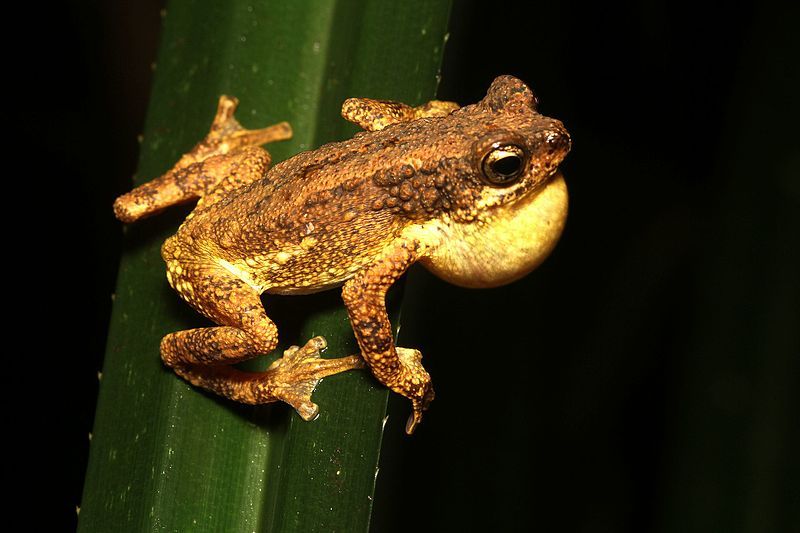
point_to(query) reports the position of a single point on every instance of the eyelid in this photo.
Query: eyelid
(493, 140)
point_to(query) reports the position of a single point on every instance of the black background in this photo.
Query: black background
(646, 377)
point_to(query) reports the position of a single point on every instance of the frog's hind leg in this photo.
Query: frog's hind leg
(203, 356)
(227, 158)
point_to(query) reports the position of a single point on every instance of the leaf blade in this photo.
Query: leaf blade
(169, 457)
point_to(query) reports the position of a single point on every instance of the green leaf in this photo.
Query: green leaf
(169, 457)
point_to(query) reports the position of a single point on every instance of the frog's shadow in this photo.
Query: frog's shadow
(157, 228)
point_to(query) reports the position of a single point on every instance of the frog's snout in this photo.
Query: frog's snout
(558, 142)
(554, 145)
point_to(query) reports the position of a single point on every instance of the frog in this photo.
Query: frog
(474, 193)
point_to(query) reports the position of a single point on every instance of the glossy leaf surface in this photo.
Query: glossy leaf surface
(166, 456)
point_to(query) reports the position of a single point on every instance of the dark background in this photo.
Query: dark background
(647, 371)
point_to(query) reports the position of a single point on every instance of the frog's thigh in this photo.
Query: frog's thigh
(202, 356)
(227, 149)
(244, 329)
(229, 172)
(209, 179)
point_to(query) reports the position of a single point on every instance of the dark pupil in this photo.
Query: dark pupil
(507, 166)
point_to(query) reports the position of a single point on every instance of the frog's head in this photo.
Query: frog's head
(513, 201)
(520, 149)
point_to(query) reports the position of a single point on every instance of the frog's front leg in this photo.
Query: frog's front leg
(375, 115)
(364, 295)
(203, 356)
(227, 158)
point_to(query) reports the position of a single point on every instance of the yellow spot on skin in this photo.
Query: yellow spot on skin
(187, 288)
(416, 163)
(308, 242)
(282, 257)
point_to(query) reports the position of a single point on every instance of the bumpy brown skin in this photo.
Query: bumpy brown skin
(357, 213)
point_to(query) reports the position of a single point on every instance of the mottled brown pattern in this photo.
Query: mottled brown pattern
(373, 115)
(359, 213)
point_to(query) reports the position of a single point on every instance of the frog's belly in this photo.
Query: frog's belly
(307, 276)
(294, 269)
(306, 289)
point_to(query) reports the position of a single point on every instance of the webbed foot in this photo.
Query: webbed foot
(227, 134)
(293, 377)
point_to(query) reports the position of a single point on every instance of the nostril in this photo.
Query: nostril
(557, 140)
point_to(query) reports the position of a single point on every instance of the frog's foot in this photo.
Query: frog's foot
(226, 134)
(293, 377)
(414, 383)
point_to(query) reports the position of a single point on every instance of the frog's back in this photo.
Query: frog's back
(317, 218)
(309, 224)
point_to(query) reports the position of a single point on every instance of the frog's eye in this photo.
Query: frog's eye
(503, 164)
